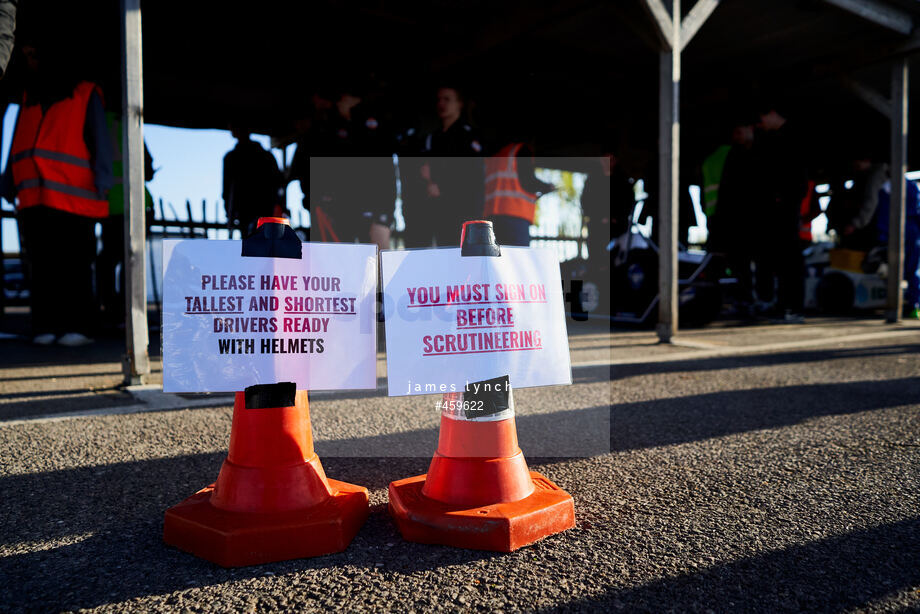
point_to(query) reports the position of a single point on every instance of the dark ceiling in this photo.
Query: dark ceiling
(580, 73)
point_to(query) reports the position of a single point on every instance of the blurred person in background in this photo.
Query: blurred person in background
(911, 241)
(311, 129)
(780, 184)
(450, 178)
(852, 212)
(252, 183)
(511, 193)
(352, 176)
(608, 200)
(712, 170)
(731, 217)
(7, 29)
(110, 288)
(59, 172)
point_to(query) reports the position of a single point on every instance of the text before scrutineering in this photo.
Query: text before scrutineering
(485, 317)
(286, 307)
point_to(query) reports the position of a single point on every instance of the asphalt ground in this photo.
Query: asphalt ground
(765, 468)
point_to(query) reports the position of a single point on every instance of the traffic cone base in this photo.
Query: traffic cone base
(236, 539)
(473, 482)
(272, 500)
(273, 489)
(501, 527)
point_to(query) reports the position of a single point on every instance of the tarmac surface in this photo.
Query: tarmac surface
(757, 468)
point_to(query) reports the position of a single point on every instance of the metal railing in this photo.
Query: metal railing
(565, 247)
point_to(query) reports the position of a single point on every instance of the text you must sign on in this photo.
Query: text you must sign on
(452, 320)
(230, 321)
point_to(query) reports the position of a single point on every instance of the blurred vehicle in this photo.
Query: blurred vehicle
(841, 281)
(626, 290)
(15, 287)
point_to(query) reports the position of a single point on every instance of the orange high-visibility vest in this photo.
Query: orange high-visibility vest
(808, 212)
(504, 194)
(51, 162)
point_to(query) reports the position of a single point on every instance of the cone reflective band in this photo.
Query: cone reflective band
(272, 500)
(478, 492)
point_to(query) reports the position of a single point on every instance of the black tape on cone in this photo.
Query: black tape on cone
(493, 393)
(478, 239)
(264, 396)
(273, 240)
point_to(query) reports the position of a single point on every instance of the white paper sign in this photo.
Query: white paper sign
(230, 322)
(452, 320)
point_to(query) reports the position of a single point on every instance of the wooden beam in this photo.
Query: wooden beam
(868, 95)
(137, 360)
(663, 22)
(668, 179)
(899, 107)
(879, 13)
(695, 20)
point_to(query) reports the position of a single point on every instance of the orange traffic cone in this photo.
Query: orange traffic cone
(478, 492)
(272, 500)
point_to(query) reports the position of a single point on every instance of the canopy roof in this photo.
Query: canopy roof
(583, 73)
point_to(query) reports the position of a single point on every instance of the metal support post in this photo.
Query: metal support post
(137, 361)
(899, 101)
(668, 186)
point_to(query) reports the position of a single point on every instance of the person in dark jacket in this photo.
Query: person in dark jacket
(312, 129)
(608, 200)
(911, 241)
(852, 211)
(781, 184)
(735, 218)
(352, 178)
(451, 176)
(252, 183)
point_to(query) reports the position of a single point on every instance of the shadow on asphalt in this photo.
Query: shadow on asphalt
(21, 353)
(55, 402)
(52, 393)
(588, 375)
(120, 507)
(72, 374)
(620, 371)
(828, 575)
(597, 430)
(77, 399)
(703, 416)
